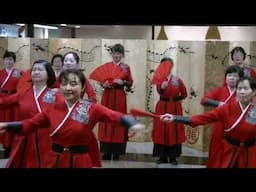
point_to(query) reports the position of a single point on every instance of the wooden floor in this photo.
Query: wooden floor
(132, 164)
(139, 155)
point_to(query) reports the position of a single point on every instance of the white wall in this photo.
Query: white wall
(38, 33)
(61, 32)
(238, 33)
(181, 33)
(197, 33)
(115, 32)
(52, 33)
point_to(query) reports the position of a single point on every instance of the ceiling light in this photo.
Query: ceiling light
(213, 33)
(45, 26)
(20, 24)
(162, 34)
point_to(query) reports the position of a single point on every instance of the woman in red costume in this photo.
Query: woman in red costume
(71, 123)
(9, 78)
(113, 138)
(239, 126)
(238, 56)
(168, 138)
(29, 151)
(70, 61)
(217, 97)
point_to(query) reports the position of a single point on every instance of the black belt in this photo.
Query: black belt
(235, 142)
(175, 99)
(7, 91)
(119, 87)
(73, 149)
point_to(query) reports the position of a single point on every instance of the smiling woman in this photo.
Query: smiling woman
(71, 121)
(239, 120)
(29, 151)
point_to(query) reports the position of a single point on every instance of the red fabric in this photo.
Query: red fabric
(161, 72)
(56, 84)
(227, 115)
(32, 148)
(216, 138)
(91, 94)
(72, 132)
(115, 99)
(8, 114)
(25, 81)
(171, 133)
(94, 152)
(107, 71)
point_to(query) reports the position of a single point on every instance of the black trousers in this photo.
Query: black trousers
(167, 151)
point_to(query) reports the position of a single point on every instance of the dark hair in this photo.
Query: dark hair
(252, 82)
(10, 54)
(238, 49)
(56, 56)
(234, 69)
(65, 73)
(77, 58)
(166, 59)
(50, 73)
(117, 48)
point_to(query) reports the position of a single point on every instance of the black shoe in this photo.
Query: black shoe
(7, 152)
(106, 157)
(116, 157)
(159, 161)
(174, 161)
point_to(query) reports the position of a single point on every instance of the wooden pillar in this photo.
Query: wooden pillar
(153, 32)
(30, 30)
(73, 32)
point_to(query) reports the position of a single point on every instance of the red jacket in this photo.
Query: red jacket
(8, 86)
(75, 131)
(217, 94)
(245, 130)
(115, 98)
(170, 102)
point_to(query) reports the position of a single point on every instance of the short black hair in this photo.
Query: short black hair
(77, 58)
(234, 69)
(10, 54)
(78, 72)
(252, 82)
(50, 73)
(56, 56)
(238, 49)
(166, 59)
(117, 48)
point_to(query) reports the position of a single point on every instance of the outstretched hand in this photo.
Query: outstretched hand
(118, 81)
(164, 84)
(221, 103)
(136, 129)
(2, 127)
(106, 84)
(167, 118)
